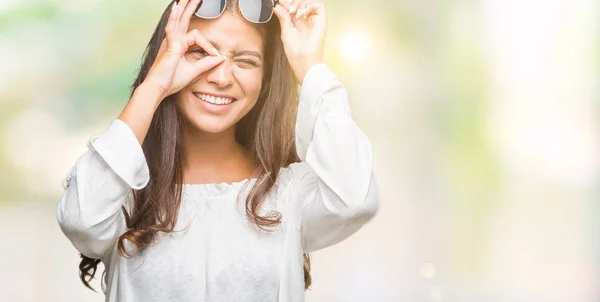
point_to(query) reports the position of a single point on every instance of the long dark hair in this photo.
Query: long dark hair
(267, 131)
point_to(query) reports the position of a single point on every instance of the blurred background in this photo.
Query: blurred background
(484, 116)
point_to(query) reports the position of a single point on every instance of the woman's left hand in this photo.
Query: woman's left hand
(303, 26)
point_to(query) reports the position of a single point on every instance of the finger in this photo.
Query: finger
(172, 21)
(194, 37)
(294, 6)
(311, 9)
(302, 9)
(207, 63)
(285, 19)
(203, 65)
(320, 8)
(182, 4)
(285, 3)
(189, 11)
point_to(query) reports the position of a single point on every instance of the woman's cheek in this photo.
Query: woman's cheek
(250, 79)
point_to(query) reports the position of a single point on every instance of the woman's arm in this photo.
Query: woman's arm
(139, 111)
(99, 184)
(337, 191)
(101, 181)
(335, 188)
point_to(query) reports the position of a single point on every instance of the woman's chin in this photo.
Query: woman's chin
(211, 125)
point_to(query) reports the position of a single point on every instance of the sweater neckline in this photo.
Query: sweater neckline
(223, 188)
(216, 189)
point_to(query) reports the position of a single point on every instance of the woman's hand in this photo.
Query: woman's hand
(303, 27)
(171, 71)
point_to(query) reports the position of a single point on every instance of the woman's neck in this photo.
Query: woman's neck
(214, 158)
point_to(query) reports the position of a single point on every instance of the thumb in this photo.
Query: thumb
(284, 17)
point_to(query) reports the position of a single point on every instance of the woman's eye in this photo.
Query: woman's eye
(199, 51)
(247, 63)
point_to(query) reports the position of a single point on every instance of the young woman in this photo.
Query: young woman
(218, 176)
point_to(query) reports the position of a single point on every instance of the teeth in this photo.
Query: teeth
(213, 100)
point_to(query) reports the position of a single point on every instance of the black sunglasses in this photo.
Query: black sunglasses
(255, 11)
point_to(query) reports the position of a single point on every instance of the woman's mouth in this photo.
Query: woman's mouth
(215, 100)
(217, 105)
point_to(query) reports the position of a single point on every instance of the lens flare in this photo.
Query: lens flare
(354, 46)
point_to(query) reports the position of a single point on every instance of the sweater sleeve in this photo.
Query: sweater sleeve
(99, 184)
(336, 189)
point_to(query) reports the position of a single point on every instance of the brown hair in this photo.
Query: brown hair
(267, 131)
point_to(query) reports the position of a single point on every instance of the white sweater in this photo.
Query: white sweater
(216, 254)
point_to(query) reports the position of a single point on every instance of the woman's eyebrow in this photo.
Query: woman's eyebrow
(241, 52)
(247, 53)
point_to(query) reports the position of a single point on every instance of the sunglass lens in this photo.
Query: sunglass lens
(257, 11)
(210, 9)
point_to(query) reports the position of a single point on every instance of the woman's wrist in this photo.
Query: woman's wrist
(151, 94)
(140, 109)
(303, 69)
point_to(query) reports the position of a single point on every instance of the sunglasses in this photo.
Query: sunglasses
(255, 11)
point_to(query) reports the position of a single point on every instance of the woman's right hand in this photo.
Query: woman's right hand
(171, 71)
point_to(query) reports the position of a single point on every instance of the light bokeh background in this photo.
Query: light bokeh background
(484, 116)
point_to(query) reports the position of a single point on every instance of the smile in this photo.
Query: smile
(215, 100)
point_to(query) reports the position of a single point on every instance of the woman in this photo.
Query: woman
(200, 191)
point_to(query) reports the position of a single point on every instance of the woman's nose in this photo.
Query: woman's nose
(221, 75)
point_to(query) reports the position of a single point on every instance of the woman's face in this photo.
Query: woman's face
(220, 97)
